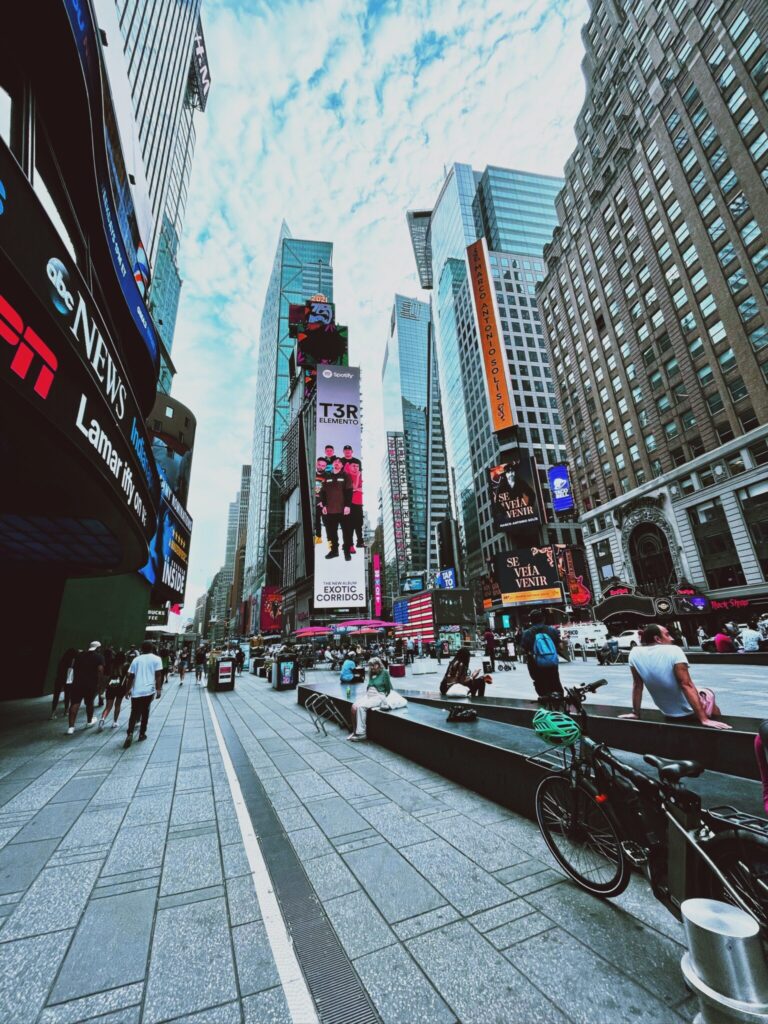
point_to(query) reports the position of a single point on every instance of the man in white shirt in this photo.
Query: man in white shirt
(750, 638)
(145, 680)
(662, 666)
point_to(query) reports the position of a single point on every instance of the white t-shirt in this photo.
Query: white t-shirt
(143, 671)
(750, 638)
(655, 665)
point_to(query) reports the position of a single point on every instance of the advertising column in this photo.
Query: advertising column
(340, 565)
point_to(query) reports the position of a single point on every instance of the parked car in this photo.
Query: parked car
(628, 639)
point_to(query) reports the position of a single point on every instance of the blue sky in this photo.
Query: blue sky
(339, 116)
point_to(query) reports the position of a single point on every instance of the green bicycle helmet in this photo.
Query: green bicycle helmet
(556, 728)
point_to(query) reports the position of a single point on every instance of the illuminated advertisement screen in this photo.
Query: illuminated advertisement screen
(320, 340)
(271, 615)
(446, 579)
(497, 380)
(513, 492)
(560, 489)
(340, 560)
(528, 576)
(573, 571)
(166, 568)
(377, 586)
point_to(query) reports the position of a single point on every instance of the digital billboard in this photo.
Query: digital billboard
(340, 561)
(560, 488)
(166, 567)
(572, 567)
(377, 586)
(497, 380)
(513, 491)
(320, 340)
(528, 576)
(271, 613)
(446, 579)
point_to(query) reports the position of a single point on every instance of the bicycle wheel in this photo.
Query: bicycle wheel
(582, 836)
(743, 860)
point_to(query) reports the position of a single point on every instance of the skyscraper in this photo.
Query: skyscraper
(655, 301)
(414, 424)
(514, 211)
(236, 617)
(300, 269)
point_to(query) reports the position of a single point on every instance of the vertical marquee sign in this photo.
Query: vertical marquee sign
(497, 380)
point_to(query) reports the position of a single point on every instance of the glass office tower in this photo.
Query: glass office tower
(414, 422)
(515, 212)
(300, 269)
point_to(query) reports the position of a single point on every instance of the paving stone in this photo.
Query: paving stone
(358, 924)
(192, 807)
(481, 845)
(92, 827)
(308, 785)
(192, 863)
(79, 788)
(116, 789)
(521, 870)
(193, 896)
(456, 877)
(329, 876)
(191, 964)
(484, 812)
(489, 989)
(622, 940)
(535, 882)
(113, 940)
(243, 903)
(256, 968)
(396, 825)
(155, 779)
(129, 1016)
(267, 1007)
(102, 891)
(425, 922)
(524, 835)
(55, 900)
(8, 790)
(198, 777)
(27, 968)
(295, 816)
(20, 863)
(335, 816)
(309, 843)
(519, 930)
(279, 792)
(51, 821)
(229, 1013)
(609, 996)
(394, 886)
(98, 1007)
(350, 785)
(235, 860)
(139, 848)
(399, 989)
(488, 919)
(229, 832)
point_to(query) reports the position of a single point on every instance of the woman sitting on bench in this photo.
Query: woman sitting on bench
(458, 674)
(379, 688)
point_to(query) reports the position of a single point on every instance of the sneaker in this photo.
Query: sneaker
(114, 725)
(71, 730)
(143, 736)
(347, 556)
(54, 717)
(352, 551)
(357, 739)
(102, 723)
(128, 741)
(332, 554)
(89, 724)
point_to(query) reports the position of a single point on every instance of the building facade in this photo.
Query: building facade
(413, 420)
(300, 269)
(514, 211)
(655, 302)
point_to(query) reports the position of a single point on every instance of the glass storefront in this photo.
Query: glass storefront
(715, 543)
(754, 507)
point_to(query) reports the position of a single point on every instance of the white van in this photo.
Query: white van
(584, 635)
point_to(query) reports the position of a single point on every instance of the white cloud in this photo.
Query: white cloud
(504, 89)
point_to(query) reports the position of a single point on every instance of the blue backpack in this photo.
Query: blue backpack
(544, 650)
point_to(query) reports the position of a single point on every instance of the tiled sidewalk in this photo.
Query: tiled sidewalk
(125, 892)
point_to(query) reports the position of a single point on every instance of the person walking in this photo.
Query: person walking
(409, 650)
(541, 644)
(115, 691)
(62, 683)
(490, 647)
(199, 664)
(662, 666)
(87, 680)
(239, 660)
(145, 683)
(378, 689)
(183, 662)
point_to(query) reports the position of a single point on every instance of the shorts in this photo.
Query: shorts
(82, 692)
(115, 688)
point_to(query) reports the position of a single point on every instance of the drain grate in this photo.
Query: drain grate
(336, 989)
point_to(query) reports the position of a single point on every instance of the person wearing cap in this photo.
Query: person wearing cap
(87, 681)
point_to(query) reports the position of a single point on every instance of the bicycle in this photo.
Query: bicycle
(602, 819)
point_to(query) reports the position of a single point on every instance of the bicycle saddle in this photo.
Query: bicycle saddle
(673, 771)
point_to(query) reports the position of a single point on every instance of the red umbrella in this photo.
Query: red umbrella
(313, 631)
(373, 623)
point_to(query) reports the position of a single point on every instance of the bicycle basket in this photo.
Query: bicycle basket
(556, 728)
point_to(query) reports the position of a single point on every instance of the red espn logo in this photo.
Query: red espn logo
(15, 333)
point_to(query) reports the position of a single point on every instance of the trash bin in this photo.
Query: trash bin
(285, 673)
(613, 647)
(221, 674)
(486, 666)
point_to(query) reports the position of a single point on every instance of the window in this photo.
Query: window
(754, 507)
(715, 544)
(738, 389)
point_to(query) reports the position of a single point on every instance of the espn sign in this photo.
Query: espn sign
(27, 345)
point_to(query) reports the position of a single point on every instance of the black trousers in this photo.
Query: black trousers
(546, 679)
(333, 521)
(140, 710)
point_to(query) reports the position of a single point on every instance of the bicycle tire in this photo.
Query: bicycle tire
(743, 860)
(587, 835)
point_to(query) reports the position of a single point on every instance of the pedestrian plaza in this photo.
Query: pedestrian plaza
(131, 892)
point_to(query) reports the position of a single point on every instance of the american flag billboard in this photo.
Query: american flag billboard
(414, 617)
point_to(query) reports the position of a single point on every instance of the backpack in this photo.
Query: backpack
(461, 714)
(544, 651)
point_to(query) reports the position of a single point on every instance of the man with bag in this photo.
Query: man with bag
(542, 645)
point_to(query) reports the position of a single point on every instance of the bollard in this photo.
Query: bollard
(724, 964)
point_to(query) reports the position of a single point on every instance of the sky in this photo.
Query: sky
(339, 116)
